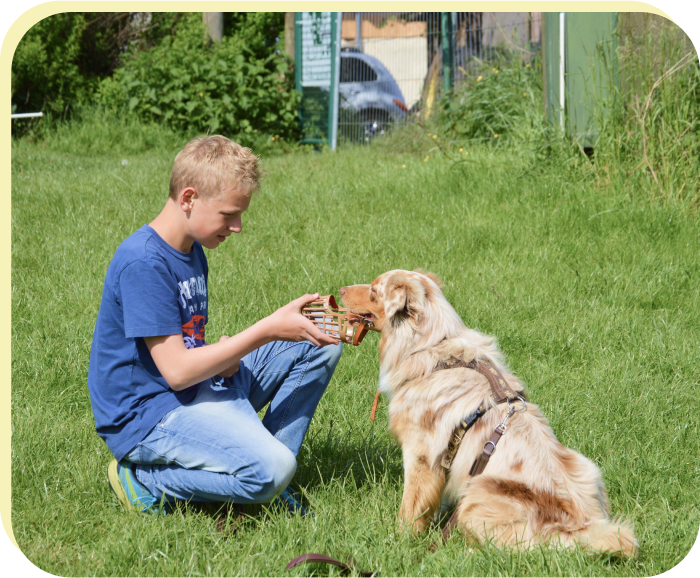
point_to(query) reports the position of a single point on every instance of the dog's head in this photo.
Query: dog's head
(400, 301)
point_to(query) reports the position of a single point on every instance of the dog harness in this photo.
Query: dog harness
(501, 392)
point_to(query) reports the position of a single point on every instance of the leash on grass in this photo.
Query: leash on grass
(501, 392)
(345, 568)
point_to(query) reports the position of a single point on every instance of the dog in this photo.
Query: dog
(534, 490)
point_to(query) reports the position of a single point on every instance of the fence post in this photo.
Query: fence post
(448, 53)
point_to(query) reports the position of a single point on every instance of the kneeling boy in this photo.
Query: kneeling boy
(181, 418)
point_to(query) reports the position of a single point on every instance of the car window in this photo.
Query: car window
(356, 70)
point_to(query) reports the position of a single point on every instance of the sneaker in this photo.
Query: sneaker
(289, 500)
(129, 491)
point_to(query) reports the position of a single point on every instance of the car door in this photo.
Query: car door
(357, 82)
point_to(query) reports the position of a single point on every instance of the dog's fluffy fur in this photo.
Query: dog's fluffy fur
(534, 490)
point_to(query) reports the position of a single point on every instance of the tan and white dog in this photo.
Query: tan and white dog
(534, 490)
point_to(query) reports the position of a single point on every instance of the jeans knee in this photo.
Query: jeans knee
(274, 474)
(330, 354)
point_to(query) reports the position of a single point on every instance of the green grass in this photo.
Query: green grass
(593, 295)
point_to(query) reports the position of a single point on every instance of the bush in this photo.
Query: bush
(47, 68)
(242, 85)
(60, 61)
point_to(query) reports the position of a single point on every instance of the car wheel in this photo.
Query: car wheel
(374, 123)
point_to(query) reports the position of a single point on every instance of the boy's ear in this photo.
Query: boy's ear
(186, 198)
(404, 298)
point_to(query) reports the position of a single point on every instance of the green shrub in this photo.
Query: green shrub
(238, 86)
(48, 70)
(61, 59)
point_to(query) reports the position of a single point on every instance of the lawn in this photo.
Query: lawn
(594, 297)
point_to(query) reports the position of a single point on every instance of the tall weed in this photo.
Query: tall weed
(499, 99)
(649, 135)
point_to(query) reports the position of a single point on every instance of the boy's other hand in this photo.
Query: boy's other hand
(288, 324)
(229, 371)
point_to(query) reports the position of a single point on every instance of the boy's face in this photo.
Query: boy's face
(211, 220)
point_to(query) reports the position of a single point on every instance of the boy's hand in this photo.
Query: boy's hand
(229, 371)
(288, 324)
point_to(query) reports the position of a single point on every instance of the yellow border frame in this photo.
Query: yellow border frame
(27, 19)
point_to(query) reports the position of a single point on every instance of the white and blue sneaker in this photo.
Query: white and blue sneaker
(288, 500)
(133, 495)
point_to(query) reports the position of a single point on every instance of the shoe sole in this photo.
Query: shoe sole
(116, 485)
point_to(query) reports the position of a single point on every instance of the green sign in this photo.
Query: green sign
(317, 56)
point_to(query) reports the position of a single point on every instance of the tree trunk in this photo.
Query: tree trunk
(215, 24)
(289, 34)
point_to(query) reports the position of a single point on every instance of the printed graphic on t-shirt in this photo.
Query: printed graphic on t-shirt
(191, 288)
(193, 332)
(193, 300)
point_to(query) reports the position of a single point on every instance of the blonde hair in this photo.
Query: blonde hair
(213, 164)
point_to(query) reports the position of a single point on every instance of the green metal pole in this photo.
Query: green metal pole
(333, 94)
(448, 68)
(298, 64)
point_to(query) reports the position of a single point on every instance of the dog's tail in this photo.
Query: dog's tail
(614, 536)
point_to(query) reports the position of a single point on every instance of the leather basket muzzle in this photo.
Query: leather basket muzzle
(336, 321)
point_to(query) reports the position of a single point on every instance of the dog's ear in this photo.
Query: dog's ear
(403, 298)
(432, 276)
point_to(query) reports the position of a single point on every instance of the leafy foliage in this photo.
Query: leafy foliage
(61, 59)
(159, 67)
(49, 68)
(239, 86)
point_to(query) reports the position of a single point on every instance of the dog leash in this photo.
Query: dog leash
(345, 568)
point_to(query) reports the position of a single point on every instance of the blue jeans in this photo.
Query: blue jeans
(215, 448)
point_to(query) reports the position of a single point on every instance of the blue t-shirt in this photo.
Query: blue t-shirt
(150, 289)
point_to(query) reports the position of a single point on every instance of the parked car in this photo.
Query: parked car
(369, 95)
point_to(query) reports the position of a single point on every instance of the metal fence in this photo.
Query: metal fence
(395, 66)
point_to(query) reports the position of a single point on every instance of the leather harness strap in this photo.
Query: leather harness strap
(483, 459)
(465, 424)
(501, 392)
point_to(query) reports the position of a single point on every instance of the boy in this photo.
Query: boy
(180, 418)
